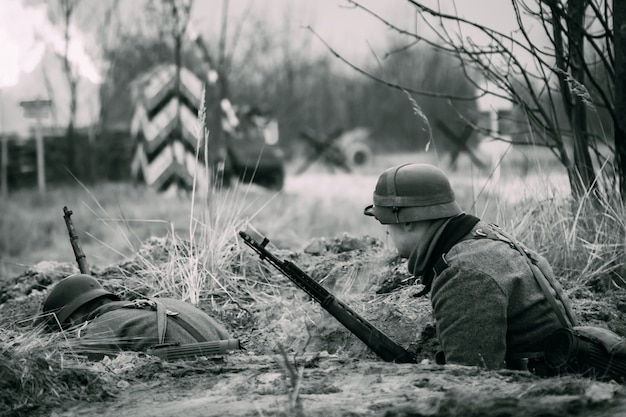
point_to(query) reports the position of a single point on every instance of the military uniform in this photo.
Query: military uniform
(488, 307)
(104, 324)
(141, 324)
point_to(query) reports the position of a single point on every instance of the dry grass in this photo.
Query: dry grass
(196, 255)
(583, 242)
(36, 375)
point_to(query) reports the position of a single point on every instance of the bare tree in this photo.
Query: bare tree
(67, 8)
(174, 16)
(67, 14)
(564, 75)
(619, 25)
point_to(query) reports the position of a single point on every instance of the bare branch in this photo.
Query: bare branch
(385, 82)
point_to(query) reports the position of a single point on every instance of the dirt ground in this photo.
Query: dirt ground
(258, 385)
(298, 360)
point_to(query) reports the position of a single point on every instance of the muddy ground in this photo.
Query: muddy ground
(298, 361)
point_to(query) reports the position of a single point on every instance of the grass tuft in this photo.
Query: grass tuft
(35, 375)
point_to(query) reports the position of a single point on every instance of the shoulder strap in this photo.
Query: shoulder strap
(163, 314)
(143, 304)
(567, 319)
(189, 328)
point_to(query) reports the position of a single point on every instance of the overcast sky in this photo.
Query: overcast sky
(352, 32)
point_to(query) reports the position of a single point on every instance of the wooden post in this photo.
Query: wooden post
(38, 109)
(41, 165)
(4, 164)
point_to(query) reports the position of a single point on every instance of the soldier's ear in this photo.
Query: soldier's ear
(410, 226)
(417, 227)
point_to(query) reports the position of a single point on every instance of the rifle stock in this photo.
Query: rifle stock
(192, 350)
(375, 339)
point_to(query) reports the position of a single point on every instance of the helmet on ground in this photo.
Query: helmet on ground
(71, 293)
(412, 192)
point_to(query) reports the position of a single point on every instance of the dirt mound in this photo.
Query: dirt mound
(298, 360)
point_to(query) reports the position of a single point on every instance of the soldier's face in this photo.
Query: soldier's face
(406, 236)
(80, 315)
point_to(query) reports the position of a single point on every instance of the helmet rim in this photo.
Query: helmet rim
(66, 311)
(392, 215)
(71, 293)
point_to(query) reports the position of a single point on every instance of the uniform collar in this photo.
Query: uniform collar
(449, 233)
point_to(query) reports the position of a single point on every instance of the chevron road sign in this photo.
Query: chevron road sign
(167, 131)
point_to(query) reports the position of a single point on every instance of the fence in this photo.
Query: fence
(107, 158)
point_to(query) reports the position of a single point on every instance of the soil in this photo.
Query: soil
(253, 385)
(298, 360)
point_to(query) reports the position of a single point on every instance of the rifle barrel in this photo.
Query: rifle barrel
(375, 339)
(192, 350)
(81, 259)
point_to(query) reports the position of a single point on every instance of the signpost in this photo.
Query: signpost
(38, 109)
(4, 163)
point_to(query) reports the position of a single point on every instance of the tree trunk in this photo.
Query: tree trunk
(4, 163)
(72, 80)
(571, 74)
(70, 134)
(619, 25)
(72, 126)
(578, 110)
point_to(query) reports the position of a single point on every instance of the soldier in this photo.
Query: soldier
(105, 324)
(490, 309)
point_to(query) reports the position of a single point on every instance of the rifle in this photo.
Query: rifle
(81, 259)
(376, 340)
(170, 352)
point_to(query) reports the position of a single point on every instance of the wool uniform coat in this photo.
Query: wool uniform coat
(487, 304)
(135, 326)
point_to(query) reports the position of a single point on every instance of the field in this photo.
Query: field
(114, 219)
(298, 360)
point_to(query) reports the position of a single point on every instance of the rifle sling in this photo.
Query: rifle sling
(189, 328)
(162, 316)
(566, 319)
(565, 316)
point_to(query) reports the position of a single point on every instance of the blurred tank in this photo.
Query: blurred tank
(244, 139)
(355, 145)
(252, 151)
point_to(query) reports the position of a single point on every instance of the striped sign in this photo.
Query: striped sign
(166, 130)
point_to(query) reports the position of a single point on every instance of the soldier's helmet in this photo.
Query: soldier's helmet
(70, 294)
(412, 192)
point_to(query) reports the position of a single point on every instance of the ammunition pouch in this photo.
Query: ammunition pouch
(589, 351)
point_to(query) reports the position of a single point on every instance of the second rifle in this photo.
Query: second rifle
(81, 259)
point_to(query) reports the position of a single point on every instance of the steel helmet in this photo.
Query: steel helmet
(71, 293)
(412, 192)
